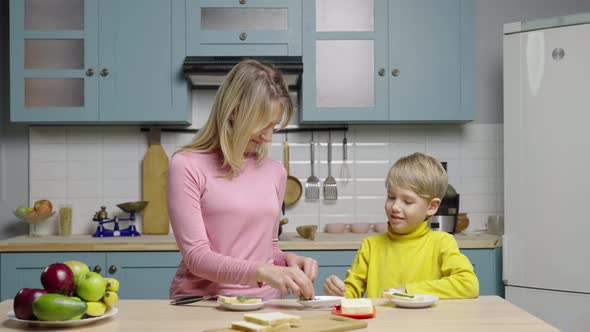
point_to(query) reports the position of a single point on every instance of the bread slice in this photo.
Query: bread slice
(356, 306)
(273, 318)
(253, 327)
(238, 299)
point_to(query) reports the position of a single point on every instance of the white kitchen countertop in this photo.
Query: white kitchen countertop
(288, 241)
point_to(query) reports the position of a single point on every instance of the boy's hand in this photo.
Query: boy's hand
(334, 286)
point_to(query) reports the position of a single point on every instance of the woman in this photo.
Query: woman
(224, 195)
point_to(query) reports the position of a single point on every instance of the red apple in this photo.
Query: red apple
(42, 202)
(23, 302)
(58, 278)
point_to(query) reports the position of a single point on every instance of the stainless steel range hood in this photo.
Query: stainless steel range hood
(210, 71)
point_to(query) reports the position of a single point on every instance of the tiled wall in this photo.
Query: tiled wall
(93, 166)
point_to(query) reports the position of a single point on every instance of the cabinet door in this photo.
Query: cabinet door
(244, 27)
(430, 60)
(487, 264)
(53, 60)
(142, 48)
(345, 56)
(143, 275)
(20, 270)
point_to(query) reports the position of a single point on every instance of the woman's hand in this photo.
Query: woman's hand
(309, 266)
(287, 280)
(334, 286)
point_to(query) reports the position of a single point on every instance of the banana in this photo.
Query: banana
(96, 309)
(110, 298)
(112, 284)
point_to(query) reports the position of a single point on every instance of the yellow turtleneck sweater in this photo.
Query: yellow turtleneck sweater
(423, 261)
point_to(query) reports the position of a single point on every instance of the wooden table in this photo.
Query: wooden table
(487, 313)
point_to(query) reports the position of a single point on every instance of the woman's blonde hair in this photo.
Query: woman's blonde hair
(243, 105)
(419, 173)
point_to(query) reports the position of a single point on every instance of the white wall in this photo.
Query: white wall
(94, 166)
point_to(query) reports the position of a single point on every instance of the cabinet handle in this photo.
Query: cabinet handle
(381, 72)
(97, 269)
(112, 269)
(243, 36)
(90, 72)
(395, 72)
(242, 2)
(104, 72)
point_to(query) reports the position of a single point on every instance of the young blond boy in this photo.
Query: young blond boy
(410, 257)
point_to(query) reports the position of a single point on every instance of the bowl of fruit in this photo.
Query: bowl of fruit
(41, 211)
(72, 295)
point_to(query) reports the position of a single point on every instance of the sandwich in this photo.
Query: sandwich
(273, 319)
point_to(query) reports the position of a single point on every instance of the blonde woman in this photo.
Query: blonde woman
(224, 195)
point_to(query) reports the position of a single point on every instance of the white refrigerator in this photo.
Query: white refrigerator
(546, 244)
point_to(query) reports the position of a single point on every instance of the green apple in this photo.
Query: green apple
(79, 268)
(91, 287)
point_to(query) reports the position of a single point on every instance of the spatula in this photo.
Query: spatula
(312, 186)
(330, 187)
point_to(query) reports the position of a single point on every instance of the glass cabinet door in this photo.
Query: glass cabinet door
(244, 27)
(54, 59)
(347, 50)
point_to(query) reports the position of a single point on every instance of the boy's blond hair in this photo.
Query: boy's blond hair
(243, 105)
(419, 173)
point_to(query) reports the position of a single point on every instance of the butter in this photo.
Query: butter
(356, 306)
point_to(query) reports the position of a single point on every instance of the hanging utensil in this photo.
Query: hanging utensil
(312, 186)
(344, 170)
(293, 189)
(330, 187)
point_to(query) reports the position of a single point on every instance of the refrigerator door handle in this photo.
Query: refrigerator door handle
(505, 257)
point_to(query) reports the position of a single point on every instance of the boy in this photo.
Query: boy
(410, 257)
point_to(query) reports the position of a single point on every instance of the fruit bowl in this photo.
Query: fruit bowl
(34, 219)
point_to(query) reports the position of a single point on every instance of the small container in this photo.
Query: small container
(360, 227)
(496, 225)
(462, 222)
(380, 227)
(336, 228)
(65, 220)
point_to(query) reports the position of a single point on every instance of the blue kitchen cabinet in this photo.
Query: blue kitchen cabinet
(487, 264)
(397, 61)
(243, 27)
(98, 62)
(20, 270)
(142, 275)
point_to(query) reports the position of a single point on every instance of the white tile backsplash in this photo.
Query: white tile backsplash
(93, 166)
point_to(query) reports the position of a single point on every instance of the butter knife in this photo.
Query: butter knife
(191, 299)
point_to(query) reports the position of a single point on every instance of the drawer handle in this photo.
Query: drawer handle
(395, 72)
(112, 269)
(97, 269)
(243, 36)
(381, 72)
(90, 72)
(104, 72)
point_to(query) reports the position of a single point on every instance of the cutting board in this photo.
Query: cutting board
(323, 323)
(154, 177)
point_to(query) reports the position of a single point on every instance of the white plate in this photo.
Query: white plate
(242, 306)
(66, 323)
(322, 301)
(427, 301)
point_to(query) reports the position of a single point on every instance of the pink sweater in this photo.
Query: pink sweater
(224, 228)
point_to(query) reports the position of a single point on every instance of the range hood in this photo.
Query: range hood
(210, 71)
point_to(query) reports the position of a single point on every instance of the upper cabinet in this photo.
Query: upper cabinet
(91, 61)
(379, 61)
(244, 27)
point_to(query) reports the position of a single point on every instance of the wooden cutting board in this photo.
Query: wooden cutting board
(155, 173)
(323, 323)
